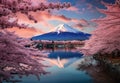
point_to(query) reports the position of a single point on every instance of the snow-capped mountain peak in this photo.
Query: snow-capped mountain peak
(62, 32)
(65, 28)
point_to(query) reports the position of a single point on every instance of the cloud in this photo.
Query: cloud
(84, 22)
(73, 9)
(81, 2)
(45, 16)
(42, 16)
(43, 24)
(89, 6)
(84, 25)
(25, 32)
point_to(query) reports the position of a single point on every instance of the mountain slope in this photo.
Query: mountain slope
(63, 32)
(61, 36)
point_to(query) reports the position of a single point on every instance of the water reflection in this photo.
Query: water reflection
(63, 59)
(64, 54)
(97, 71)
(14, 72)
(62, 67)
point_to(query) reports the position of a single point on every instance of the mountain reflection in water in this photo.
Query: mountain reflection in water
(68, 66)
(62, 58)
(63, 66)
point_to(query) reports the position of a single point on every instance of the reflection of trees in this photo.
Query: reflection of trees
(8, 72)
(97, 71)
(9, 75)
(10, 69)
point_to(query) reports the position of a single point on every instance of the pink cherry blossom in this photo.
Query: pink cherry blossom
(106, 38)
(16, 55)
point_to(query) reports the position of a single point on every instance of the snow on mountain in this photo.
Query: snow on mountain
(63, 32)
(65, 28)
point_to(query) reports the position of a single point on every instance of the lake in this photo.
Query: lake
(65, 66)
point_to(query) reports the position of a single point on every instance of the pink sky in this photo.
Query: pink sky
(78, 16)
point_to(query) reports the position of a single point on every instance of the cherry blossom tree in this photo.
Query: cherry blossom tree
(16, 58)
(16, 55)
(9, 8)
(106, 38)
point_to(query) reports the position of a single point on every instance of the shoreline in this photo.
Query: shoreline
(111, 65)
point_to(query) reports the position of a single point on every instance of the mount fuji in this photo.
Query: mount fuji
(65, 28)
(63, 32)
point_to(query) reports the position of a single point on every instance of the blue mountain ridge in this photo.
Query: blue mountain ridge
(62, 36)
(63, 32)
